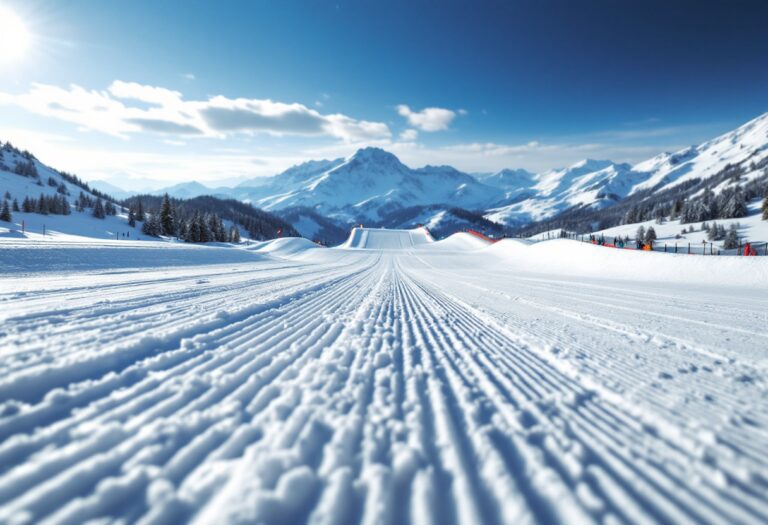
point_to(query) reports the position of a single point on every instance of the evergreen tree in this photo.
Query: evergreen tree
(98, 209)
(15, 205)
(640, 235)
(677, 209)
(151, 225)
(140, 215)
(650, 236)
(27, 205)
(64, 206)
(131, 218)
(712, 233)
(205, 232)
(5, 212)
(193, 228)
(42, 205)
(166, 217)
(234, 234)
(731, 238)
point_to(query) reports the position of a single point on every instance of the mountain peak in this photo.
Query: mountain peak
(592, 164)
(372, 153)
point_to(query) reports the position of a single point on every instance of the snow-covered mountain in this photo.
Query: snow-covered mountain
(746, 145)
(596, 183)
(367, 186)
(111, 189)
(600, 184)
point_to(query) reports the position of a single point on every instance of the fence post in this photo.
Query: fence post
(689, 248)
(665, 247)
(675, 247)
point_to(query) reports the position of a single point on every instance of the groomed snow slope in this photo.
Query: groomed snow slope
(382, 386)
(381, 239)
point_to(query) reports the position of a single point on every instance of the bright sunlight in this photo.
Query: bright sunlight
(14, 37)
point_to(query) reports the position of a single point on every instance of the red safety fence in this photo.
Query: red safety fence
(481, 236)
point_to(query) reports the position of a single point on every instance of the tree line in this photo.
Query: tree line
(201, 219)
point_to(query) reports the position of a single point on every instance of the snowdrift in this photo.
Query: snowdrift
(567, 257)
(285, 247)
(381, 239)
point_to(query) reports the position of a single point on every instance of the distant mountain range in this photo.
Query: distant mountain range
(372, 186)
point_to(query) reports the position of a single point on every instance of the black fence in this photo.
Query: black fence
(759, 248)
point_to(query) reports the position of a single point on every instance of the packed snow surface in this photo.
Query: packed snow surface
(555, 382)
(381, 239)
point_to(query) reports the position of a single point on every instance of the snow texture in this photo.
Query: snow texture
(394, 380)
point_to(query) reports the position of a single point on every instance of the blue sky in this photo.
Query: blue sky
(149, 93)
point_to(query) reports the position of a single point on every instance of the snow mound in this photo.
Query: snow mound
(285, 247)
(574, 258)
(381, 239)
(460, 241)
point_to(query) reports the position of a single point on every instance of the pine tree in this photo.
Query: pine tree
(140, 215)
(131, 218)
(42, 205)
(5, 212)
(205, 232)
(640, 235)
(166, 217)
(712, 233)
(731, 238)
(650, 236)
(151, 225)
(27, 205)
(64, 205)
(98, 209)
(234, 234)
(193, 228)
(15, 205)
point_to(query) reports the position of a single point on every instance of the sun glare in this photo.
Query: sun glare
(14, 36)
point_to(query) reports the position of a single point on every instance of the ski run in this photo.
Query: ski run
(392, 380)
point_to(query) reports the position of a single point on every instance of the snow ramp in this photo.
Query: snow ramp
(382, 239)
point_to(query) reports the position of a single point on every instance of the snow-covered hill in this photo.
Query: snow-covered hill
(22, 176)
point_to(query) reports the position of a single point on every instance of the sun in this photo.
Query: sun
(14, 36)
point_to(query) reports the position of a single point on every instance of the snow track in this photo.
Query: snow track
(378, 387)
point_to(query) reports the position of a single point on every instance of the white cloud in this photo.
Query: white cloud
(428, 119)
(114, 112)
(149, 94)
(409, 135)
